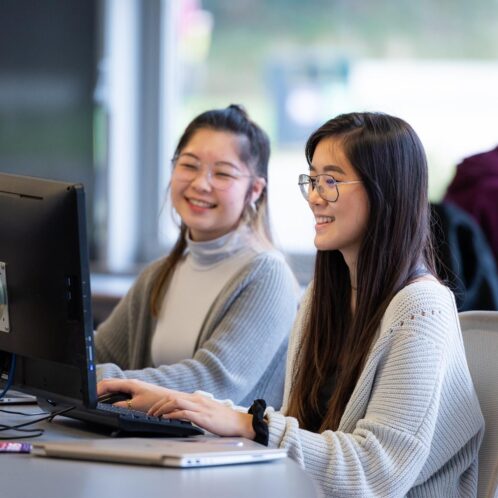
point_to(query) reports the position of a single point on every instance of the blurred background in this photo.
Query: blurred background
(98, 91)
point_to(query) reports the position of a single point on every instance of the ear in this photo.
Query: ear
(257, 188)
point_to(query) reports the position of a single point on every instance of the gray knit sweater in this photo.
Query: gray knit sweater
(241, 349)
(413, 425)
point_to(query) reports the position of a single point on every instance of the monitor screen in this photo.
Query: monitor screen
(45, 315)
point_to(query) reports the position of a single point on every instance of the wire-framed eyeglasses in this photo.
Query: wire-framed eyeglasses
(220, 175)
(326, 186)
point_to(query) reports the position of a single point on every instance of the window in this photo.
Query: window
(99, 92)
(294, 64)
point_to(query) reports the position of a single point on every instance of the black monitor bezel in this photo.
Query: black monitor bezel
(72, 381)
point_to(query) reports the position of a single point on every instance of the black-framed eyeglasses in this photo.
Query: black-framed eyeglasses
(326, 186)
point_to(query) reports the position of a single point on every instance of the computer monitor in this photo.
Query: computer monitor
(45, 315)
(45, 299)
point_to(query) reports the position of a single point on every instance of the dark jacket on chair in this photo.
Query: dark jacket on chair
(475, 190)
(465, 260)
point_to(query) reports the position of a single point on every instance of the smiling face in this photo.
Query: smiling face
(210, 213)
(339, 225)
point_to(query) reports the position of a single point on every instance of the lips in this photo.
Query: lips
(322, 220)
(201, 204)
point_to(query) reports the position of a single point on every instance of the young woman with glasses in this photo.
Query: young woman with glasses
(214, 314)
(378, 399)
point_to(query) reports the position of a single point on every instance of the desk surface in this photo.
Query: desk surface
(26, 475)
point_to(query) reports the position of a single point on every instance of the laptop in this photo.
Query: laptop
(46, 326)
(199, 451)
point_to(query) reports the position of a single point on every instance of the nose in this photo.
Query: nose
(314, 198)
(202, 180)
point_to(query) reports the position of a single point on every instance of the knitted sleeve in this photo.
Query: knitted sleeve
(124, 337)
(252, 329)
(386, 432)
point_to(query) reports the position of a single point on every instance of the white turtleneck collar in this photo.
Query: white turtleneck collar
(211, 252)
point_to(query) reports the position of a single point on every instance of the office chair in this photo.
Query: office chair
(480, 337)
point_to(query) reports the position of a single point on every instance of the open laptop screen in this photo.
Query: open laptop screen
(46, 304)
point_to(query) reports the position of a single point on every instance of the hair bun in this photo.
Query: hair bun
(239, 108)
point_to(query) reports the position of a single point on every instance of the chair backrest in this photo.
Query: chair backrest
(480, 336)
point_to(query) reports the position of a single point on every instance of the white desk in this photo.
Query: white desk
(24, 475)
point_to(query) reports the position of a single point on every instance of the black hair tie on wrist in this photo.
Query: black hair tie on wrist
(259, 425)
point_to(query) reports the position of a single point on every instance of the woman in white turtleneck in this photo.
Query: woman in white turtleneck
(207, 268)
(214, 314)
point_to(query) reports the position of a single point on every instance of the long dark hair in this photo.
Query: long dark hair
(254, 152)
(390, 160)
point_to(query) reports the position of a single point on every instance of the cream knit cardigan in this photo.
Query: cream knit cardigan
(413, 425)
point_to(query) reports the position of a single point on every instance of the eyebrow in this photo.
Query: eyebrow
(217, 163)
(189, 154)
(329, 168)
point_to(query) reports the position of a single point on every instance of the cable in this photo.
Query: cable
(10, 378)
(20, 427)
(37, 433)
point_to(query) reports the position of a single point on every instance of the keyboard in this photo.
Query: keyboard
(137, 422)
(123, 421)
